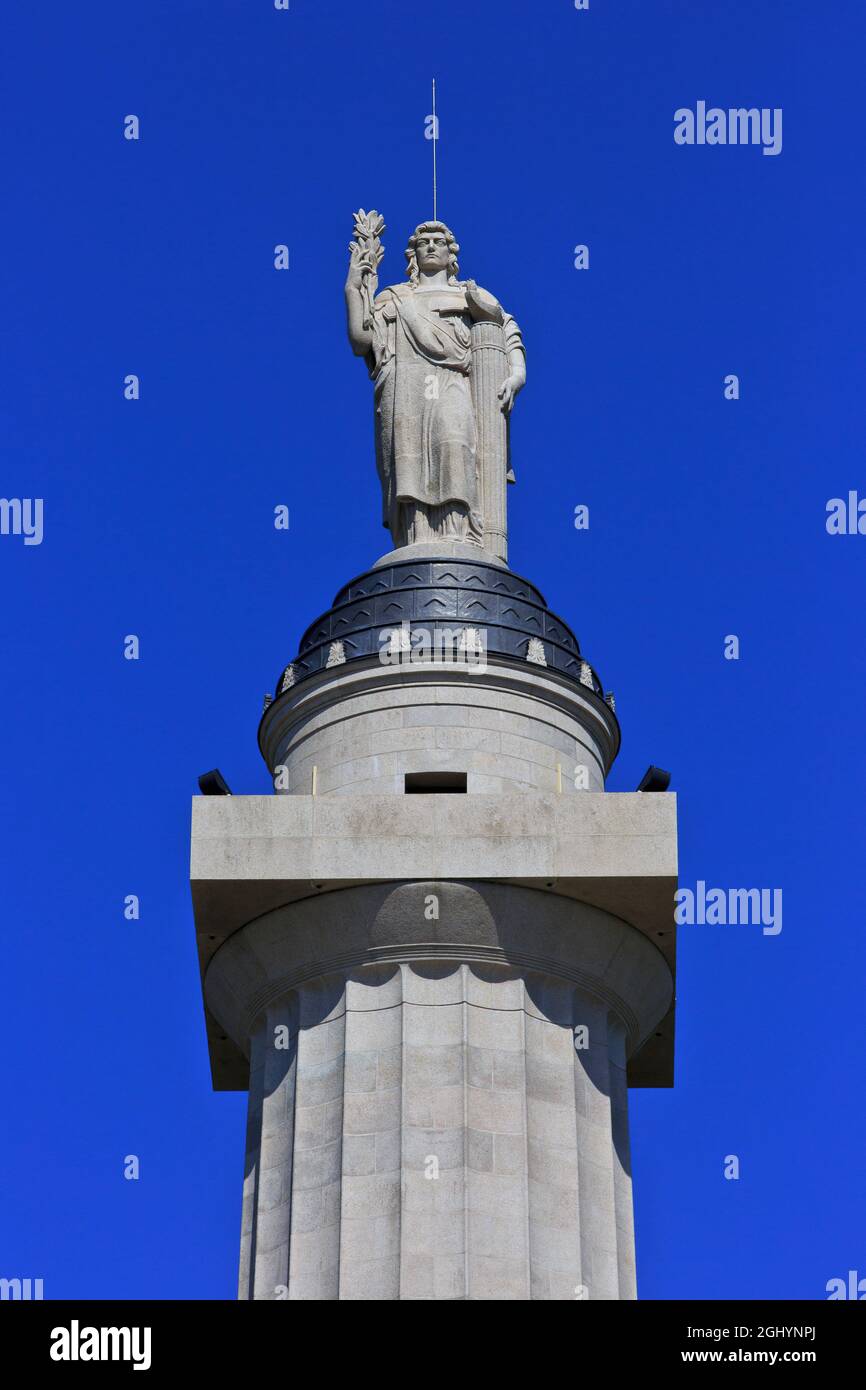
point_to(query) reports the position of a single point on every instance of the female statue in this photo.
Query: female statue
(419, 341)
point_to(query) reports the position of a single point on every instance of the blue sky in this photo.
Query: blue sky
(707, 518)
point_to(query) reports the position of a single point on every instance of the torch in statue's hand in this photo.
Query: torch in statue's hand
(365, 253)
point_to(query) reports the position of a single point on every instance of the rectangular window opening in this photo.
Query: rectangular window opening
(435, 782)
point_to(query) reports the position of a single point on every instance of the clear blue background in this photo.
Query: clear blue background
(707, 518)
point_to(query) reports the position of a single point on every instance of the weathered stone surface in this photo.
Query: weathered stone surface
(363, 727)
(614, 851)
(435, 1127)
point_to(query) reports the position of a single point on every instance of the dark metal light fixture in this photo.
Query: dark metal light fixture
(655, 779)
(213, 784)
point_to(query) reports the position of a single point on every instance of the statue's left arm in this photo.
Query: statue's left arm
(516, 353)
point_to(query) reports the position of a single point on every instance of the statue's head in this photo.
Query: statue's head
(432, 246)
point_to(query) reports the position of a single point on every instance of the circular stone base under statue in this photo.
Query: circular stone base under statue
(440, 550)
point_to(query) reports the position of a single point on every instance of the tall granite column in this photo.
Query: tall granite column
(428, 1127)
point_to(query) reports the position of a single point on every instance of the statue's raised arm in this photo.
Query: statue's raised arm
(365, 253)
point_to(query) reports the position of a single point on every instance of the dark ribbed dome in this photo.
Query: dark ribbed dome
(440, 594)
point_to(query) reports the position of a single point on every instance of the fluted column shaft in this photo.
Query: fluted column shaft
(429, 1128)
(489, 371)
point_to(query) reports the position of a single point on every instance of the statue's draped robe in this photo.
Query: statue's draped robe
(425, 425)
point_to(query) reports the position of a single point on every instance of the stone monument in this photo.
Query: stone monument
(447, 363)
(438, 957)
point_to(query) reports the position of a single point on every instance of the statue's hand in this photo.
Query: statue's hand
(507, 393)
(480, 305)
(360, 265)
